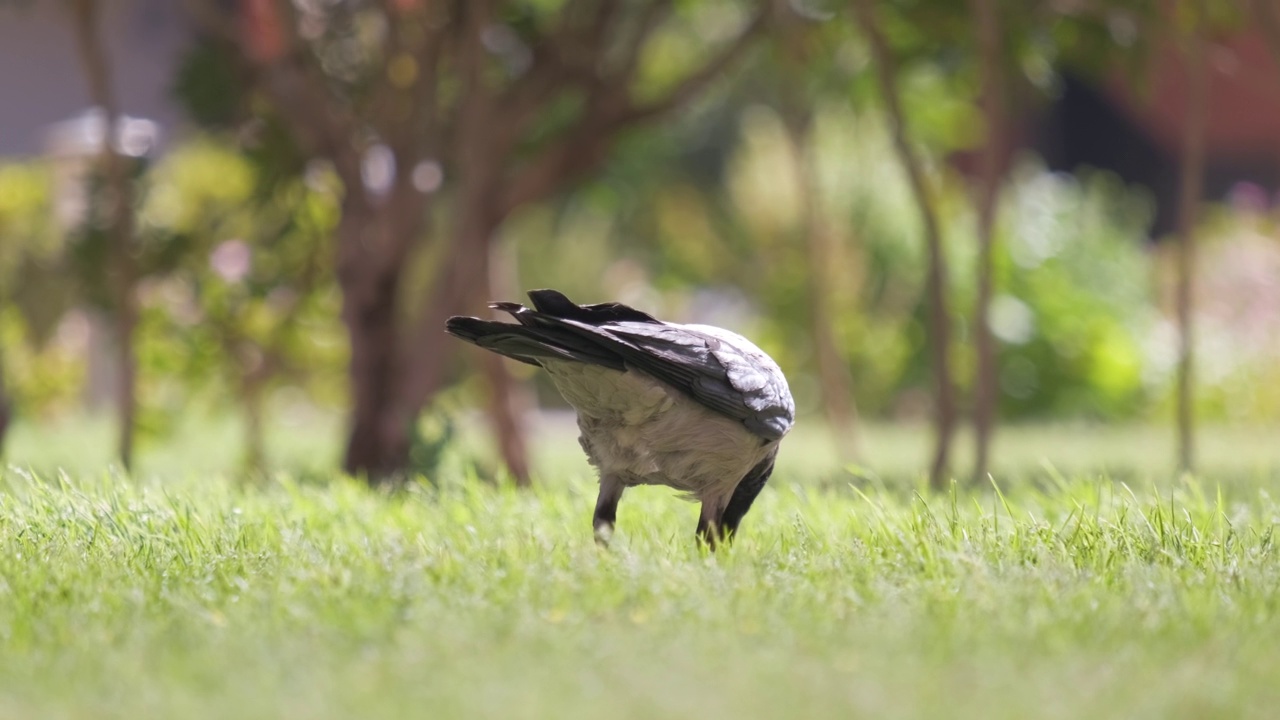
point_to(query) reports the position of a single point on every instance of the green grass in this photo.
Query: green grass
(189, 594)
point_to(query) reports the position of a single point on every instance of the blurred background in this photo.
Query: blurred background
(243, 223)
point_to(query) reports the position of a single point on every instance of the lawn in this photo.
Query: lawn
(191, 593)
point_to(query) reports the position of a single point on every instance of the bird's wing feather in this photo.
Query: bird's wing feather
(529, 344)
(718, 369)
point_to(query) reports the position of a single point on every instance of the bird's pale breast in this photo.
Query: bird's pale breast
(644, 432)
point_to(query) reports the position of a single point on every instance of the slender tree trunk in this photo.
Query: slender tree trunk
(1191, 178)
(255, 444)
(833, 372)
(939, 324)
(481, 152)
(126, 324)
(509, 399)
(476, 269)
(119, 190)
(506, 417)
(985, 398)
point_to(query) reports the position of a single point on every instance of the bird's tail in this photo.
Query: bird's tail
(541, 333)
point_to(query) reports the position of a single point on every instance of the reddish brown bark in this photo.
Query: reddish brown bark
(372, 247)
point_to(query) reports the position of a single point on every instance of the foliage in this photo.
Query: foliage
(33, 293)
(1237, 321)
(30, 246)
(699, 220)
(1074, 276)
(253, 292)
(26, 218)
(42, 380)
(238, 297)
(1076, 302)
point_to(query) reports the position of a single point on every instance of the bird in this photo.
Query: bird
(696, 408)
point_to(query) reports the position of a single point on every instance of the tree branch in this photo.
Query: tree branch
(579, 154)
(566, 57)
(1268, 17)
(697, 82)
(286, 72)
(582, 148)
(402, 96)
(652, 15)
(211, 21)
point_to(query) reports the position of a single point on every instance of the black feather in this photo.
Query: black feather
(619, 337)
(528, 345)
(745, 494)
(556, 304)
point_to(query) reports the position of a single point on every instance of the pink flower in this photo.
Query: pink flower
(232, 260)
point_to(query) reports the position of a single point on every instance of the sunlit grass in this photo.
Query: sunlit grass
(201, 596)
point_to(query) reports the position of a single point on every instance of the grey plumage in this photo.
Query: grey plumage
(693, 407)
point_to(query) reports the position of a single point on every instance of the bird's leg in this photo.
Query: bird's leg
(607, 509)
(709, 522)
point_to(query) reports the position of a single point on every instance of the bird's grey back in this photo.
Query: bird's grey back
(716, 368)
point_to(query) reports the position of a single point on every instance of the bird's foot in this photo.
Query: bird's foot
(603, 533)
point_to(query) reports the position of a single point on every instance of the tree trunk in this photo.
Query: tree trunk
(255, 444)
(370, 272)
(392, 379)
(126, 324)
(476, 270)
(509, 400)
(1191, 176)
(378, 444)
(506, 418)
(985, 396)
(119, 190)
(939, 325)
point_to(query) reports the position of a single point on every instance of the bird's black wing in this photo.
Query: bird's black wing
(735, 381)
(745, 494)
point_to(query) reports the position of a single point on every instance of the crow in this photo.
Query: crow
(692, 407)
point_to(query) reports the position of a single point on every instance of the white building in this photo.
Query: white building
(41, 79)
